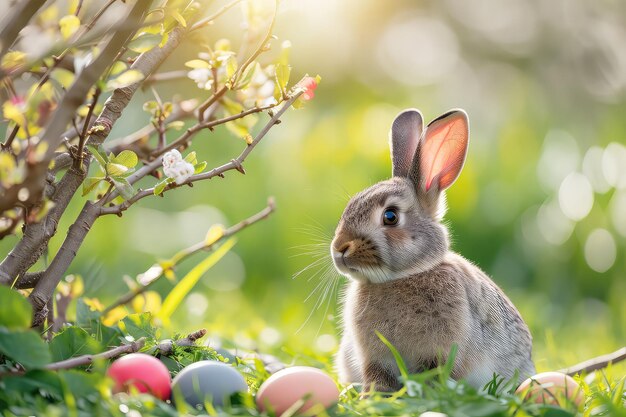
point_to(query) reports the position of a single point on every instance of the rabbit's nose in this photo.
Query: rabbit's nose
(345, 248)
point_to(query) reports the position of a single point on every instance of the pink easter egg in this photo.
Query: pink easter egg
(286, 387)
(548, 387)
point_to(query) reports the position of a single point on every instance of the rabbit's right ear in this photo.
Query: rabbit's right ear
(404, 137)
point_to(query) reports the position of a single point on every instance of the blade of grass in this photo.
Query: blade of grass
(404, 372)
(180, 291)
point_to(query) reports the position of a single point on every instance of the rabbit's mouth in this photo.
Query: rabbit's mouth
(353, 270)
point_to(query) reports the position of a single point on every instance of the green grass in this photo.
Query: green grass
(87, 393)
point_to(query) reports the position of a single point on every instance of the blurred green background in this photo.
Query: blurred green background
(540, 205)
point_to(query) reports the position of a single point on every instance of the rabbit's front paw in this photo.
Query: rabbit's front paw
(378, 378)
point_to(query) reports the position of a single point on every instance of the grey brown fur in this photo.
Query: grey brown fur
(406, 283)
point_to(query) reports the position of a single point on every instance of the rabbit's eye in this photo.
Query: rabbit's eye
(390, 217)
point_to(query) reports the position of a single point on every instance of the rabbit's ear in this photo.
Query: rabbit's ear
(442, 151)
(405, 134)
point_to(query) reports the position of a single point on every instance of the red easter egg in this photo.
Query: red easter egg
(143, 372)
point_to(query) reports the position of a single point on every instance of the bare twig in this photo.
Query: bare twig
(165, 76)
(6, 146)
(89, 359)
(190, 132)
(208, 20)
(200, 246)
(596, 363)
(241, 70)
(82, 138)
(236, 164)
(180, 112)
(166, 347)
(210, 101)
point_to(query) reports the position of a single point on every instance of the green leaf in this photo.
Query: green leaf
(167, 109)
(125, 189)
(151, 106)
(115, 170)
(118, 67)
(91, 183)
(179, 18)
(177, 125)
(34, 382)
(282, 77)
(15, 310)
(127, 158)
(84, 314)
(99, 154)
(63, 77)
(247, 75)
(158, 189)
(139, 325)
(73, 341)
(69, 25)
(199, 167)
(185, 285)
(82, 384)
(24, 347)
(191, 158)
(197, 64)
(144, 42)
(125, 79)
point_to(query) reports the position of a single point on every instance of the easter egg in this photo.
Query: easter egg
(143, 372)
(207, 381)
(548, 387)
(286, 387)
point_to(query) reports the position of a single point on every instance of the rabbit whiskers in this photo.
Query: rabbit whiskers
(320, 269)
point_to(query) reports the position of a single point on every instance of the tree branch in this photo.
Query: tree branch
(166, 76)
(181, 111)
(190, 132)
(89, 359)
(37, 235)
(47, 283)
(596, 363)
(166, 347)
(236, 164)
(208, 20)
(200, 246)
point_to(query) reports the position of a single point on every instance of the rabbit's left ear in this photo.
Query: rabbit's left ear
(442, 151)
(405, 134)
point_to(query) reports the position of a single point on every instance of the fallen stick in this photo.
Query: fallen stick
(594, 364)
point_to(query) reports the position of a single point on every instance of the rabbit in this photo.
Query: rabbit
(406, 283)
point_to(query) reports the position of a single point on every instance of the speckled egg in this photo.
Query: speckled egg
(210, 381)
(281, 390)
(548, 387)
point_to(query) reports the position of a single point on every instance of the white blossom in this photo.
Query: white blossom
(260, 91)
(202, 77)
(171, 157)
(179, 171)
